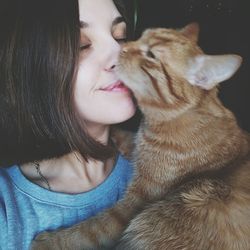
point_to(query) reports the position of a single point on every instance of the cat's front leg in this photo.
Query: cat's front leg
(49, 241)
(84, 236)
(101, 231)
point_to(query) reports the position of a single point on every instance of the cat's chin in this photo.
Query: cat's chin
(126, 79)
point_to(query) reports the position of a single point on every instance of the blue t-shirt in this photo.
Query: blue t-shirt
(27, 209)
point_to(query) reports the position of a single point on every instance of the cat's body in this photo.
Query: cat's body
(192, 161)
(207, 210)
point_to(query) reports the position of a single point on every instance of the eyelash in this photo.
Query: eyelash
(150, 54)
(84, 47)
(87, 46)
(121, 40)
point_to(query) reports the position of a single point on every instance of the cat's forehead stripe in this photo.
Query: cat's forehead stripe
(156, 39)
(160, 41)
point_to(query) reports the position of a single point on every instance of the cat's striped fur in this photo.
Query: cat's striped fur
(189, 153)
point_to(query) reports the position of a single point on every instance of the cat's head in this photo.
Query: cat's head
(167, 67)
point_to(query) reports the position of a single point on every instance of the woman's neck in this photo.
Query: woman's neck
(70, 173)
(98, 132)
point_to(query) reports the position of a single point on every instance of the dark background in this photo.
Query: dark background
(224, 28)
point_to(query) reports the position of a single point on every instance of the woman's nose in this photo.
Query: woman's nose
(113, 52)
(110, 69)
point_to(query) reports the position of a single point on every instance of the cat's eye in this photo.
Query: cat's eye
(150, 54)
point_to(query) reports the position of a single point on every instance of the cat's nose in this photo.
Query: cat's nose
(124, 49)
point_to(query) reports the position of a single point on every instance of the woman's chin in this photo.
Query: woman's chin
(124, 114)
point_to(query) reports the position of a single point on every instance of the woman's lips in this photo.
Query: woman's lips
(116, 87)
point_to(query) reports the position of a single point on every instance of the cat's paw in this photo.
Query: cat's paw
(66, 239)
(47, 241)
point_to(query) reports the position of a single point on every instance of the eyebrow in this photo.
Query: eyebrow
(116, 21)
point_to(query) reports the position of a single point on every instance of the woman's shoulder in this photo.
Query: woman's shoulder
(4, 175)
(125, 167)
(124, 170)
(6, 183)
(5, 189)
(3, 223)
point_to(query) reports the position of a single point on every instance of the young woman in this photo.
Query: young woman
(59, 94)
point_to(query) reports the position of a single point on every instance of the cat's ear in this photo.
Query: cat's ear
(207, 71)
(191, 31)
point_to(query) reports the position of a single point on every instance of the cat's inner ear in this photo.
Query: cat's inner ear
(191, 31)
(207, 71)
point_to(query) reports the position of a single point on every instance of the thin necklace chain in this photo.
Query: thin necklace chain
(44, 179)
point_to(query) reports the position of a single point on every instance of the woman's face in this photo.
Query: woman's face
(100, 97)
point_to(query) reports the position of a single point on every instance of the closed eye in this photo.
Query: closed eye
(150, 54)
(121, 40)
(85, 46)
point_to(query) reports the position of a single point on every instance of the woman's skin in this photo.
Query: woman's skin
(99, 97)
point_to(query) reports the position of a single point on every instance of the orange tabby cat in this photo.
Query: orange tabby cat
(189, 154)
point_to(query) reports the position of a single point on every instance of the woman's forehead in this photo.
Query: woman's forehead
(95, 11)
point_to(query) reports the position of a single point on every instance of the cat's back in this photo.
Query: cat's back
(208, 212)
(215, 211)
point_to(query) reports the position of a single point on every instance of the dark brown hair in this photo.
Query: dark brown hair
(39, 47)
(125, 7)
